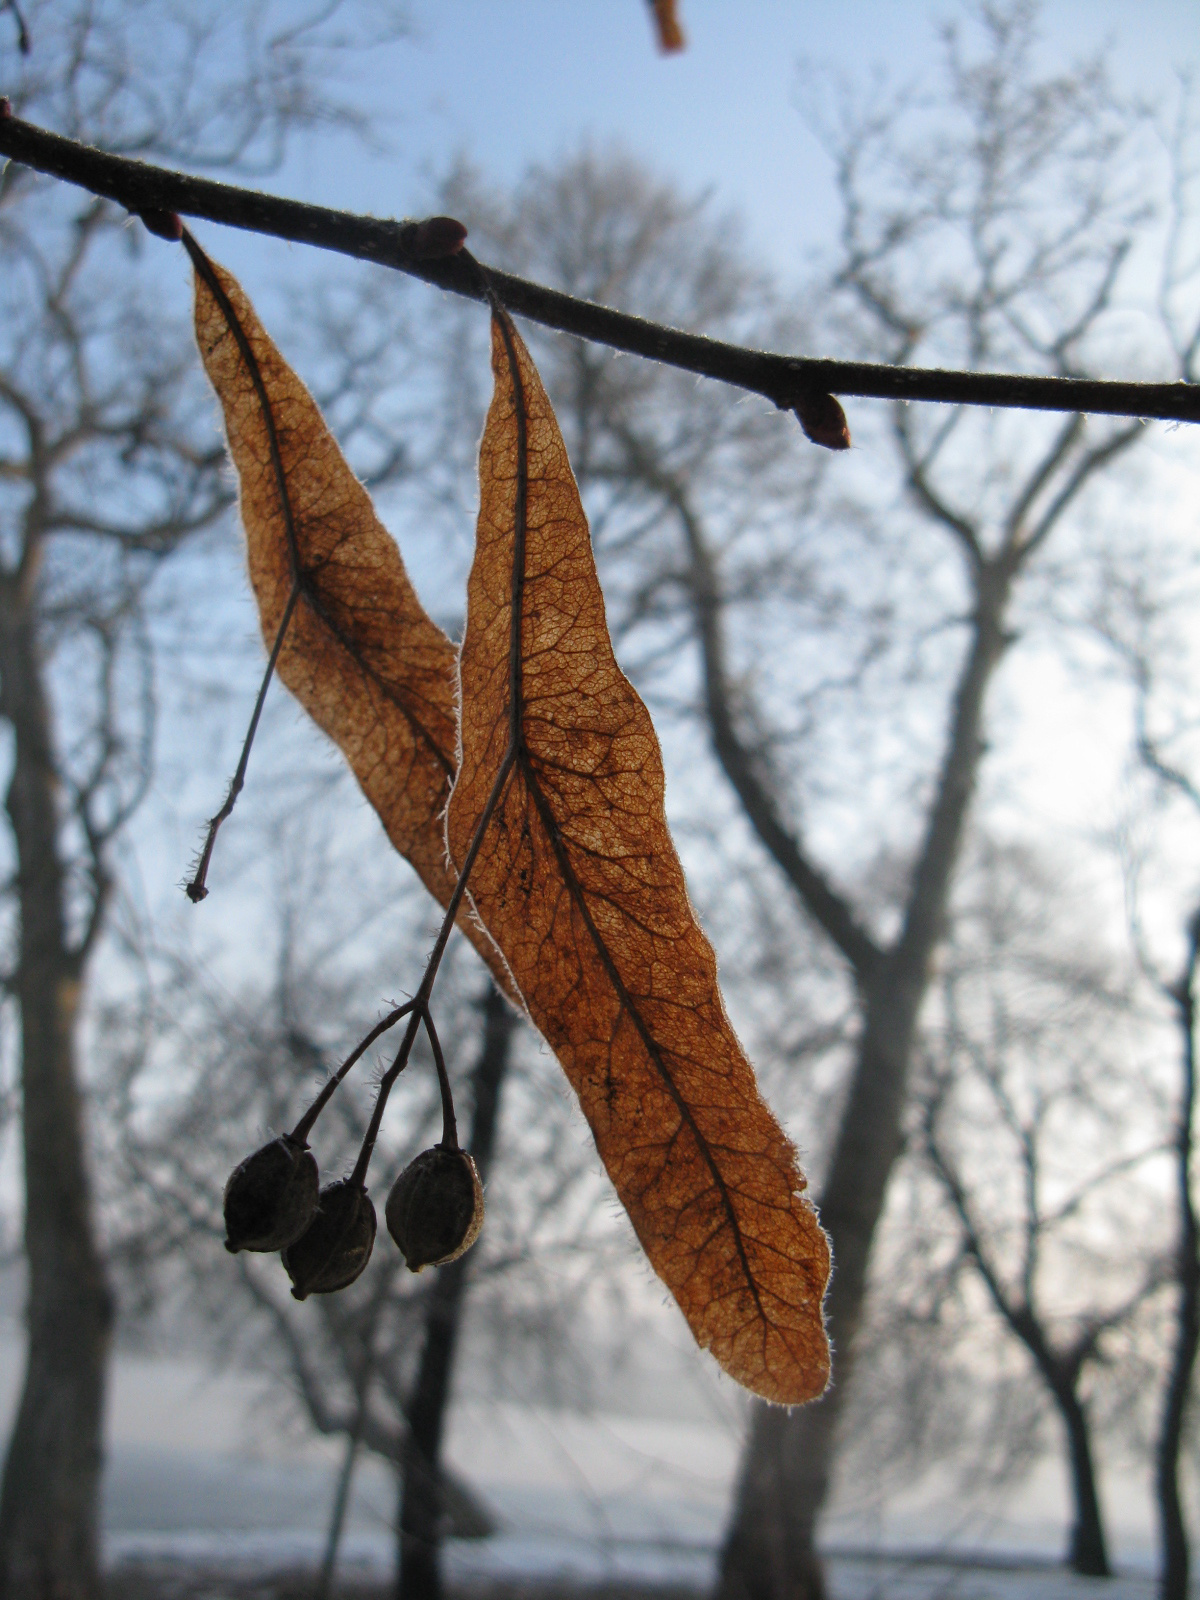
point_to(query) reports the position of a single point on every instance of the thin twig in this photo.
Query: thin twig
(24, 43)
(784, 380)
(449, 1120)
(304, 1127)
(197, 889)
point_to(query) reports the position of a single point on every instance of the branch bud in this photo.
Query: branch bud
(666, 25)
(164, 224)
(823, 420)
(435, 237)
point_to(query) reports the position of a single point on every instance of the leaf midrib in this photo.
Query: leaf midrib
(518, 752)
(653, 1049)
(300, 576)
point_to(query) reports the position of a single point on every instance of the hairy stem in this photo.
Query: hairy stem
(304, 1127)
(449, 1121)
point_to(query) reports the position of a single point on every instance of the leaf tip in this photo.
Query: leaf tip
(671, 37)
(5, 107)
(823, 420)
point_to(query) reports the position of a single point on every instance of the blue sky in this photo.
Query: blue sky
(506, 82)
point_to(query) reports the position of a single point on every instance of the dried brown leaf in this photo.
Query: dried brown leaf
(579, 883)
(360, 653)
(666, 26)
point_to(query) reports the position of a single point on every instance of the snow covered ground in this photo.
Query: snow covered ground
(201, 1472)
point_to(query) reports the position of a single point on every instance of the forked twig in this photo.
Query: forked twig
(304, 1127)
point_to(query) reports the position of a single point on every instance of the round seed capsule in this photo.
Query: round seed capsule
(336, 1246)
(435, 1209)
(271, 1197)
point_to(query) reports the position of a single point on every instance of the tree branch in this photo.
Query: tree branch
(917, 472)
(1061, 1368)
(469, 1515)
(929, 883)
(1083, 1347)
(1040, 477)
(784, 380)
(1094, 459)
(972, 1240)
(829, 909)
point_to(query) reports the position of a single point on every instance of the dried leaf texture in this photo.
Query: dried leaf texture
(360, 654)
(579, 883)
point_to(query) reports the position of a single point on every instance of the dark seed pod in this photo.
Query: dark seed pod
(271, 1197)
(336, 1246)
(435, 1209)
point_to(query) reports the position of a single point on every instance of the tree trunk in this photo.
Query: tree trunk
(1088, 1554)
(792, 1452)
(1174, 1555)
(345, 1481)
(49, 1546)
(770, 1553)
(421, 1511)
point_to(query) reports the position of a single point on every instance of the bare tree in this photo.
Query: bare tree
(1177, 1392)
(1022, 195)
(374, 1366)
(825, 618)
(1025, 197)
(107, 465)
(1029, 1122)
(1136, 614)
(421, 1518)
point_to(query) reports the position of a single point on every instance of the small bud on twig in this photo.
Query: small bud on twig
(163, 224)
(823, 420)
(666, 25)
(434, 238)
